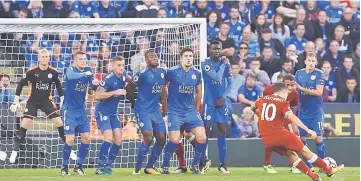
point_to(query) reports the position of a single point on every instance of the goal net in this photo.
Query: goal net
(101, 39)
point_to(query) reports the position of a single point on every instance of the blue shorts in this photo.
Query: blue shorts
(151, 121)
(315, 124)
(107, 121)
(213, 115)
(190, 120)
(75, 121)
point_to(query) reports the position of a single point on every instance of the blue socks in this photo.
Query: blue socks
(156, 151)
(66, 154)
(103, 154)
(321, 149)
(222, 148)
(114, 150)
(168, 153)
(83, 152)
(199, 152)
(143, 150)
(309, 165)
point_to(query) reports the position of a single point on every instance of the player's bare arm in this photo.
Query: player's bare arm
(198, 97)
(100, 93)
(243, 100)
(295, 120)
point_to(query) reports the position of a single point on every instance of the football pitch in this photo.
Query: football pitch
(238, 174)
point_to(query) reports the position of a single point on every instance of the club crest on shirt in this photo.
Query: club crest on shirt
(141, 124)
(102, 83)
(135, 79)
(207, 68)
(105, 118)
(67, 128)
(209, 117)
(194, 76)
(162, 75)
(50, 76)
(253, 93)
(331, 83)
(313, 77)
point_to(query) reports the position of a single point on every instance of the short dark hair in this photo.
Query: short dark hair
(148, 52)
(79, 53)
(234, 62)
(299, 24)
(186, 49)
(117, 58)
(351, 78)
(347, 56)
(256, 59)
(321, 10)
(326, 61)
(243, 43)
(288, 77)
(267, 47)
(5, 75)
(251, 76)
(214, 42)
(24, 10)
(287, 61)
(279, 86)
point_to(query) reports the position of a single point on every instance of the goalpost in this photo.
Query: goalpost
(102, 39)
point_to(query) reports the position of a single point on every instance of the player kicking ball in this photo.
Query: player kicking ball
(108, 94)
(217, 84)
(272, 111)
(150, 81)
(78, 77)
(40, 79)
(184, 96)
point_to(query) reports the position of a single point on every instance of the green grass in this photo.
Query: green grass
(238, 174)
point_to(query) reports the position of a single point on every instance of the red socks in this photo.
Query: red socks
(267, 155)
(301, 165)
(180, 154)
(321, 164)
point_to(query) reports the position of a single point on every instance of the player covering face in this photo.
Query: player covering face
(150, 81)
(78, 78)
(184, 95)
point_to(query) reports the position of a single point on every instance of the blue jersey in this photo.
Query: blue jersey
(150, 84)
(330, 84)
(120, 5)
(111, 83)
(106, 12)
(223, 11)
(270, 12)
(356, 16)
(217, 80)
(310, 106)
(252, 94)
(181, 89)
(235, 32)
(76, 87)
(212, 32)
(335, 14)
(300, 45)
(85, 11)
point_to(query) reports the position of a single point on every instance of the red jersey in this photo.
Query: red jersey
(271, 114)
(293, 97)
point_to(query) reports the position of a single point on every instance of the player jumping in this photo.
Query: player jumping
(309, 82)
(272, 111)
(293, 97)
(78, 77)
(40, 79)
(184, 96)
(150, 82)
(217, 84)
(108, 94)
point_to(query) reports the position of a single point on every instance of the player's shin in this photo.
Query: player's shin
(267, 155)
(156, 152)
(200, 149)
(66, 153)
(59, 124)
(84, 148)
(222, 148)
(309, 165)
(114, 150)
(318, 162)
(301, 165)
(180, 154)
(320, 146)
(168, 153)
(103, 153)
(142, 153)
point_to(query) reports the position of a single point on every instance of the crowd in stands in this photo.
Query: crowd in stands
(263, 39)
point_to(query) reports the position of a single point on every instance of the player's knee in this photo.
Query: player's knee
(161, 140)
(118, 140)
(69, 139)
(85, 138)
(148, 139)
(201, 139)
(318, 139)
(26, 123)
(188, 135)
(57, 121)
(108, 138)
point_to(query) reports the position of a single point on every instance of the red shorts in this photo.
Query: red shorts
(283, 141)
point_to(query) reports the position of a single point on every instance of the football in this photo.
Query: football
(330, 162)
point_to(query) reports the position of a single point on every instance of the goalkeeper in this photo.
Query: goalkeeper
(40, 79)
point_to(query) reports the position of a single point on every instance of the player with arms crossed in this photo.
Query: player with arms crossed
(310, 82)
(292, 97)
(272, 110)
(217, 84)
(184, 97)
(40, 79)
(108, 94)
(78, 77)
(150, 81)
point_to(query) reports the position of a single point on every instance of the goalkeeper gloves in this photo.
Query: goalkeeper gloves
(15, 104)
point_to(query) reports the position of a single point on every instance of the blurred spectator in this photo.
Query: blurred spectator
(279, 30)
(213, 23)
(356, 57)
(245, 11)
(5, 90)
(301, 19)
(258, 25)
(333, 55)
(137, 61)
(171, 56)
(85, 8)
(253, 45)
(201, 9)
(310, 47)
(236, 26)
(350, 93)
(16, 6)
(227, 43)
(175, 9)
(345, 44)
(347, 70)
(288, 9)
(4, 8)
(242, 56)
(106, 9)
(264, 7)
(56, 10)
(249, 92)
(74, 14)
(93, 64)
(35, 9)
(33, 44)
(334, 12)
(121, 6)
(104, 58)
(128, 46)
(352, 26)
(238, 81)
(269, 63)
(59, 60)
(221, 7)
(330, 80)
(65, 42)
(162, 13)
(23, 13)
(267, 40)
(248, 128)
(188, 15)
(287, 69)
(355, 6)
(322, 28)
(262, 79)
(311, 9)
(298, 39)
(291, 54)
(320, 47)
